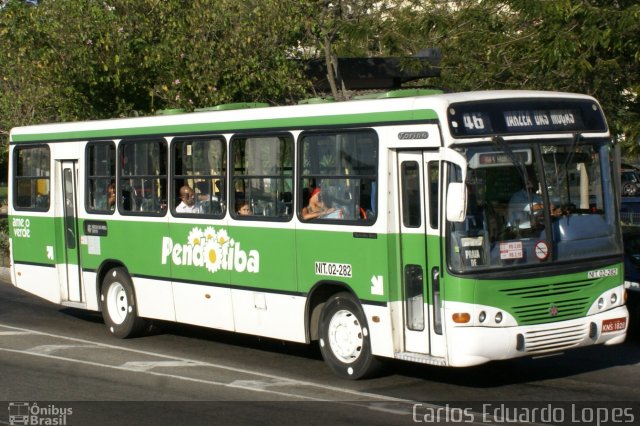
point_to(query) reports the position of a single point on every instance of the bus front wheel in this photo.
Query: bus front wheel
(118, 303)
(344, 338)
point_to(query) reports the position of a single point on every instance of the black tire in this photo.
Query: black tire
(344, 338)
(118, 303)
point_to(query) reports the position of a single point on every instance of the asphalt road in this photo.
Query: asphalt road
(59, 366)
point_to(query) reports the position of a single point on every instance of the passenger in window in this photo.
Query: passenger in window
(526, 206)
(316, 208)
(243, 209)
(111, 197)
(188, 201)
(525, 203)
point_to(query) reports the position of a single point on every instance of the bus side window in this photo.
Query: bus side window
(411, 197)
(143, 176)
(31, 178)
(262, 177)
(200, 164)
(101, 173)
(343, 167)
(433, 176)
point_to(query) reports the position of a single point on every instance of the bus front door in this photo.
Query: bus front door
(418, 194)
(70, 271)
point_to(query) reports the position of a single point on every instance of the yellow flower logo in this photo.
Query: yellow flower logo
(212, 256)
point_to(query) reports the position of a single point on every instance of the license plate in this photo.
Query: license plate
(615, 324)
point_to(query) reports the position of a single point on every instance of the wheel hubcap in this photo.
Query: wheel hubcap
(117, 303)
(345, 336)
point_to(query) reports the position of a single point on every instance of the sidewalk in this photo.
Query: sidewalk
(5, 274)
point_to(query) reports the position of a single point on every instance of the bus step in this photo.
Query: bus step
(420, 358)
(77, 305)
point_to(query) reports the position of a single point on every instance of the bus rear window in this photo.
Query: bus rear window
(32, 178)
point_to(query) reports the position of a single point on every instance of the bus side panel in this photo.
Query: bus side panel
(35, 251)
(279, 316)
(39, 280)
(262, 259)
(357, 259)
(154, 298)
(381, 332)
(136, 243)
(91, 291)
(206, 306)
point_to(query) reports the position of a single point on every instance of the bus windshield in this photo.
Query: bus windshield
(535, 203)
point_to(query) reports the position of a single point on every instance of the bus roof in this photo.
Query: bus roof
(414, 109)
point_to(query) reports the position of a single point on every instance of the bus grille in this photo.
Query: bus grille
(559, 310)
(545, 290)
(562, 301)
(555, 339)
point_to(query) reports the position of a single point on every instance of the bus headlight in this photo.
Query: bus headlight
(482, 316)
(498, 317)
(614, 298)
(600, 303)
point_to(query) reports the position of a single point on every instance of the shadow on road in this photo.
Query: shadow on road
(526, 370)
(490, 375)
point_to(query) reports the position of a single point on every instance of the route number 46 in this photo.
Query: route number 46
(473, 121)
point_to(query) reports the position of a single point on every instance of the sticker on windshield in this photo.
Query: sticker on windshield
(511, 250)
(472, 250)
(541, 250)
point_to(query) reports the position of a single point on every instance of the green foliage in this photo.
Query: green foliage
(564, 45)
(84, 59)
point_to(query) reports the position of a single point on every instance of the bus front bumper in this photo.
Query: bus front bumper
(469, 346)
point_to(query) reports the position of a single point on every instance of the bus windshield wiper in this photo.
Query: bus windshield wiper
(504, 146)
(569, 158)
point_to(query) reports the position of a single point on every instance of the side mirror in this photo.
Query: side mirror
(456, 202)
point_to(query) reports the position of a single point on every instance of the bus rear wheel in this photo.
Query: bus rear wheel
(344, 338)
(118, 304)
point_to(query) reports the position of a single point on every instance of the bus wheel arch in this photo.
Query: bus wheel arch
(344, 337)
(118, 304)
(316, 300)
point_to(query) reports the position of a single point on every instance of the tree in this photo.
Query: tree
(566, 45)
(82, 59)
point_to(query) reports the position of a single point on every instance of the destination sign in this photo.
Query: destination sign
(543, 120)
(525, 116)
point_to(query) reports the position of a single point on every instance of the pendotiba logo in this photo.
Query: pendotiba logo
(210, 249)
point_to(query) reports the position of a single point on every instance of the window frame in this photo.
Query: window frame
(88, 177)
(121, 177)
(287, 136)
(173, 176)
(15, 178)
(300, 177)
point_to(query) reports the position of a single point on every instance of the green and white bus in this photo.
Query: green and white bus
(418, 249)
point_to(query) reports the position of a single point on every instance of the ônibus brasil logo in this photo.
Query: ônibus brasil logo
(212, 250)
